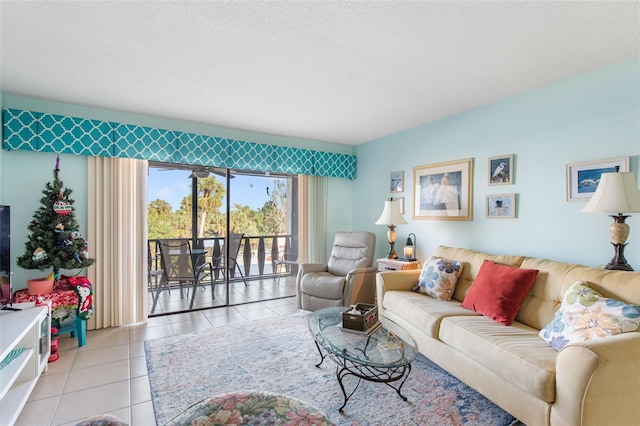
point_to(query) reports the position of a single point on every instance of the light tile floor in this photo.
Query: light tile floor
(109, 374)
(255, 290)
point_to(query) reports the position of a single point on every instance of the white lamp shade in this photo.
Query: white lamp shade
(391, 214)
(616, 193)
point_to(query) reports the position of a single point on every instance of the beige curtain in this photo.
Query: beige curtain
(312, 212)
(117, 224)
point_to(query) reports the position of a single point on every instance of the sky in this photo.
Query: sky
(173, 185)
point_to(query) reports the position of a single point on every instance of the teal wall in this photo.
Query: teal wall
(23, 174)
(593, 116)
(589, 117)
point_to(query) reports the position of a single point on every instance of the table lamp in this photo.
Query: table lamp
(391, 217)
(617, 193)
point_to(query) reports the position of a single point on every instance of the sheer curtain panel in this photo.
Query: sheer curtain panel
(117, 232)
(313, 218)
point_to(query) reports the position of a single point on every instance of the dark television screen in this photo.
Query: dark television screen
(5, 244)
(5, 255)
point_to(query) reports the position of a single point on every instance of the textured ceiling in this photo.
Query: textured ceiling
(344, 72)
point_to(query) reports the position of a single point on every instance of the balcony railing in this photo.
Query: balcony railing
(256, 256)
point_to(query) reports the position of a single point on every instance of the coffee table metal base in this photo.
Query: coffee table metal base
(387, 376)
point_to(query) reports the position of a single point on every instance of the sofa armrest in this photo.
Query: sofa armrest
(597, 382)
(394, 280)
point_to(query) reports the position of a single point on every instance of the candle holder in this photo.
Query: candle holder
(410, 249)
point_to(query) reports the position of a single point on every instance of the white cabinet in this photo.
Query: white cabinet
(397, 265)
(25, 345)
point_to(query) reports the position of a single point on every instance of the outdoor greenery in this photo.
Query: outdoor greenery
(270, 219)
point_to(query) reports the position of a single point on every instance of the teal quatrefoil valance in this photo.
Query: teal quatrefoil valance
(36, 131)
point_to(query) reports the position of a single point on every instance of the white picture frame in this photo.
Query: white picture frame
(500, 206)
(396, 182)
(583, 178)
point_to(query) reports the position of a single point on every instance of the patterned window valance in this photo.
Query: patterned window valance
(36, 131)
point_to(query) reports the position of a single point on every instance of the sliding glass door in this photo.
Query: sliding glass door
(242, 223)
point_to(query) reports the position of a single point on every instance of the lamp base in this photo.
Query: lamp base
(618, 263)
(392, 252)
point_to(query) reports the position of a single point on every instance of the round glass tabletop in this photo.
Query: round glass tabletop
(388, 346)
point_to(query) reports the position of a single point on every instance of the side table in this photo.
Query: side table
(385, 264)
(64, 297)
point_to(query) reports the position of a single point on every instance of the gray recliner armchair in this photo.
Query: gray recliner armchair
(346, 279)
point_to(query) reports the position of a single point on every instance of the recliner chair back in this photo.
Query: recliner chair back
(351, 250)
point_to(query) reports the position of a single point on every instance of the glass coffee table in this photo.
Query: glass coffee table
(382, 356)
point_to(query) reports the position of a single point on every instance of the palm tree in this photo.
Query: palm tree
(210, 195)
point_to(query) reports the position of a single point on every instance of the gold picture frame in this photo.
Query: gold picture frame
(443, 191)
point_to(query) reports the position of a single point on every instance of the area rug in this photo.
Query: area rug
(279, 355)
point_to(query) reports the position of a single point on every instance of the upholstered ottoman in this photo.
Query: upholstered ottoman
(250, 407)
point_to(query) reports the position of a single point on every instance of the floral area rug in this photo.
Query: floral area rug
(279, 355)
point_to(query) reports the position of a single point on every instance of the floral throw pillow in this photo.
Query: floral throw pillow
(586, 315)
(439, 277)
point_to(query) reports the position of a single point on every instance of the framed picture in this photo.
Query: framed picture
(502, 206)
(583, 178)
(400, 201)
(397, 181)
(501, 170)
(443, 191)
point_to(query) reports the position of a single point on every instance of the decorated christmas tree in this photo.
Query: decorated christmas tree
(55, 241)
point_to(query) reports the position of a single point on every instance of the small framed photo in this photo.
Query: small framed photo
(397, 182)
(443, 191)
(502, 206)
(501, 170)
(583, 178)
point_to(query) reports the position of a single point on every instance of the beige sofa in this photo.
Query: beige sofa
(590, 383)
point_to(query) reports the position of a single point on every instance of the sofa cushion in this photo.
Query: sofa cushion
(439, 277)
(472, 262)
(498, 291)
(515, 353)
(586, 315)
(423, 312)
(544, 299)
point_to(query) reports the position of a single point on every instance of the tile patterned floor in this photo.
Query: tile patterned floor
(109, 374)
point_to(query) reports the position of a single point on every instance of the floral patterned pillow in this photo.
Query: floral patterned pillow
(586, 315)
(439, 277)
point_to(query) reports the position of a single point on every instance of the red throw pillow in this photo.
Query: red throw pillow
(498, 291)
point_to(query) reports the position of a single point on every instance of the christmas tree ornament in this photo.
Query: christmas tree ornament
(62, 207)
(85, 249)
(39, 254)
